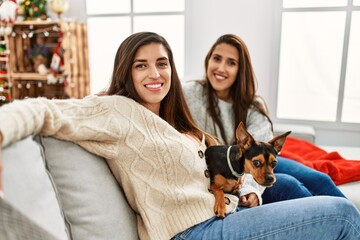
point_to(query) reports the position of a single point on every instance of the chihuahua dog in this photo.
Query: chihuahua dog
(227, 163)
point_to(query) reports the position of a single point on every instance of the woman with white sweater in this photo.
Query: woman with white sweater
(227, 96)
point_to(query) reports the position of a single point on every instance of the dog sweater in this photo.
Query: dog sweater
(158, 168)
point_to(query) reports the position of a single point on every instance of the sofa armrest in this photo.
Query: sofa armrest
(86, 200)
(15, 225)
(28, 187)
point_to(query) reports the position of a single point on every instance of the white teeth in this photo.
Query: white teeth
(153, 85)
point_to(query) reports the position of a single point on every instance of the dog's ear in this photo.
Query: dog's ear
(243, 138)
(279, 141)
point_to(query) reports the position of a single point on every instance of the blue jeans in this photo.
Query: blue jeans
(317, 218)
(295, 180)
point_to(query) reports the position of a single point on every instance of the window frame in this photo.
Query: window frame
(328, 128)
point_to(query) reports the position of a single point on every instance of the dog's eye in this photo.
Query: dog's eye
(257, 163)
(273, 164)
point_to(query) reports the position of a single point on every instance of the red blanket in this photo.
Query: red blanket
(339, 169)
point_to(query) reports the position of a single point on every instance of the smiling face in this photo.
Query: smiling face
(151, 74)
(222, 69)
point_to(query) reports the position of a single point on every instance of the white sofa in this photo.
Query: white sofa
(71, 198)
(352, 189)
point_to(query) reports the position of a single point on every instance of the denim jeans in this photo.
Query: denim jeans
(295, 180)
(321, 217)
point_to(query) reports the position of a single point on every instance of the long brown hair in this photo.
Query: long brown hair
(243, 90)
(173, 108)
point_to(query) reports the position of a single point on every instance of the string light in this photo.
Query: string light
(31, 32)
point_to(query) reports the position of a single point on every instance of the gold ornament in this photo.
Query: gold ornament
(59, 6)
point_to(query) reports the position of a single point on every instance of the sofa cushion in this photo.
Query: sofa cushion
(28, 187)
(92, 201)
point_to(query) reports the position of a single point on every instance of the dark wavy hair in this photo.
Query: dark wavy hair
(243, 90)
(173, 108)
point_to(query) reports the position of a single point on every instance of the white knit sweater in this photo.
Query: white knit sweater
(257, 124)
(159, 168)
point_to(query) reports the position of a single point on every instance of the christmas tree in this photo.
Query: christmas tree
(31, 9)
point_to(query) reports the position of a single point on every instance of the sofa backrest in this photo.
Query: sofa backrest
(66, 190)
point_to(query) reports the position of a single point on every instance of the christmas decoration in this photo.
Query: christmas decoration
(4, 89)
(31, 32)
(8, 14)
(32, 72)
(57, 62)
(40, 56)
(32, 9)
(59, 6)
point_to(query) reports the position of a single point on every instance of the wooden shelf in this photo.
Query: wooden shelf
(36, 23)
(31, 76)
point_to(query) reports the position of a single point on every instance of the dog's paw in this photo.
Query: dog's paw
(220, 214)
(220, 210)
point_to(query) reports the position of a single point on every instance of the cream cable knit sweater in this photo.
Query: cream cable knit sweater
(158, 167)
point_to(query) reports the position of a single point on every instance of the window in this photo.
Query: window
(111, 21)
(319, 77)
(351, 105)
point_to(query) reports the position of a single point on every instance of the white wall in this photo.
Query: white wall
(76, 11)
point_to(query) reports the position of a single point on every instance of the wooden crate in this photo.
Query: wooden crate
(76, 60)
(25, 36)
(73, 79)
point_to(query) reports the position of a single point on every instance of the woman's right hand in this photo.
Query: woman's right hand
(1, 169)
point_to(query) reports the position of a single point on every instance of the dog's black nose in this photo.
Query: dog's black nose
(269, 178)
